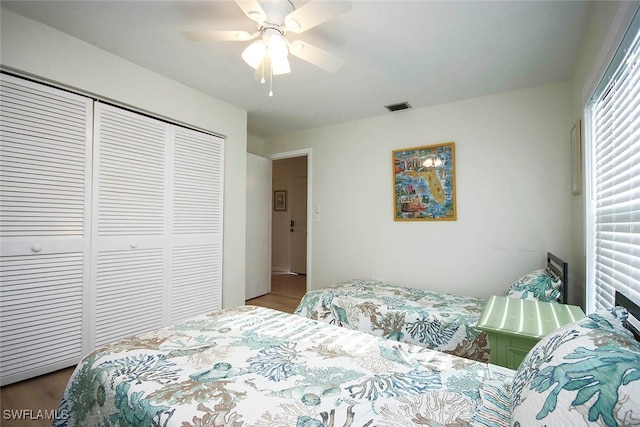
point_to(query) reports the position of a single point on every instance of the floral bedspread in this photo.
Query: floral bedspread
(437, 321)
(252, 366)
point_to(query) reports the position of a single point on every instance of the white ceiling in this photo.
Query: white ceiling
(423, 52)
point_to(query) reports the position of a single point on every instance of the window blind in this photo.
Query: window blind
(615, 177)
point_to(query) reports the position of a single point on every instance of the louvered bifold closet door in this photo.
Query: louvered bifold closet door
(129, 233)
(196, 272)
(45, 160)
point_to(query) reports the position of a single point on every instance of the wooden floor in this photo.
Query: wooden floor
(286, 292)
(31, 398)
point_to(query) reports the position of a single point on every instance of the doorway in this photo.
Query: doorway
(298, 224)
(290, 231)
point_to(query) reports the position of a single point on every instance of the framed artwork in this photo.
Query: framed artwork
(424, 182)
(576, 159)
(280, 200)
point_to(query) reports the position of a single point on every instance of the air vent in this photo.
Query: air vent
(397, 107)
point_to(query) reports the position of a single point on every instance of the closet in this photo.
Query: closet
(110, 225)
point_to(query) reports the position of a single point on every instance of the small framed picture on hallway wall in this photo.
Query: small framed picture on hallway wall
(280, 200)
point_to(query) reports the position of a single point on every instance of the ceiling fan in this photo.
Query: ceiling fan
(274, 19)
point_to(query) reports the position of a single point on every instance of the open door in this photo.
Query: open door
(258, 268)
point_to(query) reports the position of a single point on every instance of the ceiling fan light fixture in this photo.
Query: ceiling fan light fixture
(276, 46)
(280, 65)
(254, 54)
(268, 54)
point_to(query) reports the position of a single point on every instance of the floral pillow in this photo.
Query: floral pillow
(584, 373)
(538, 285)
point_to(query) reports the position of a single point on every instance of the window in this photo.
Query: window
(613, 192)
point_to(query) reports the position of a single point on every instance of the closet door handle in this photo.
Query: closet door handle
(37, 247)
(134, 244)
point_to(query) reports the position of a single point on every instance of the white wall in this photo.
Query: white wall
(513, 187)
(607, 25)
(255, 145)
(44, 52)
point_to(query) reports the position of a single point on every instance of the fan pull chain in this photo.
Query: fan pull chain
(263, 81)
(271, 79)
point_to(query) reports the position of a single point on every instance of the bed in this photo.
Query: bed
(253, 366)
(439, 321)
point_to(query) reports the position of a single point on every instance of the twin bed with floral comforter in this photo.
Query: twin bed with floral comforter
(435, 320)
(253, 366)
(438, 321)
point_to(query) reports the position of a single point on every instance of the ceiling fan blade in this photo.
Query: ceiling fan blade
(252, 9)
(314, 13)
(219, 35)
(316, 56)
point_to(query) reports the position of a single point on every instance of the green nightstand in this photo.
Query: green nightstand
(514, 326)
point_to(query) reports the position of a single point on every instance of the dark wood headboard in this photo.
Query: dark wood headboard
(559, 269)
(634, 311)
